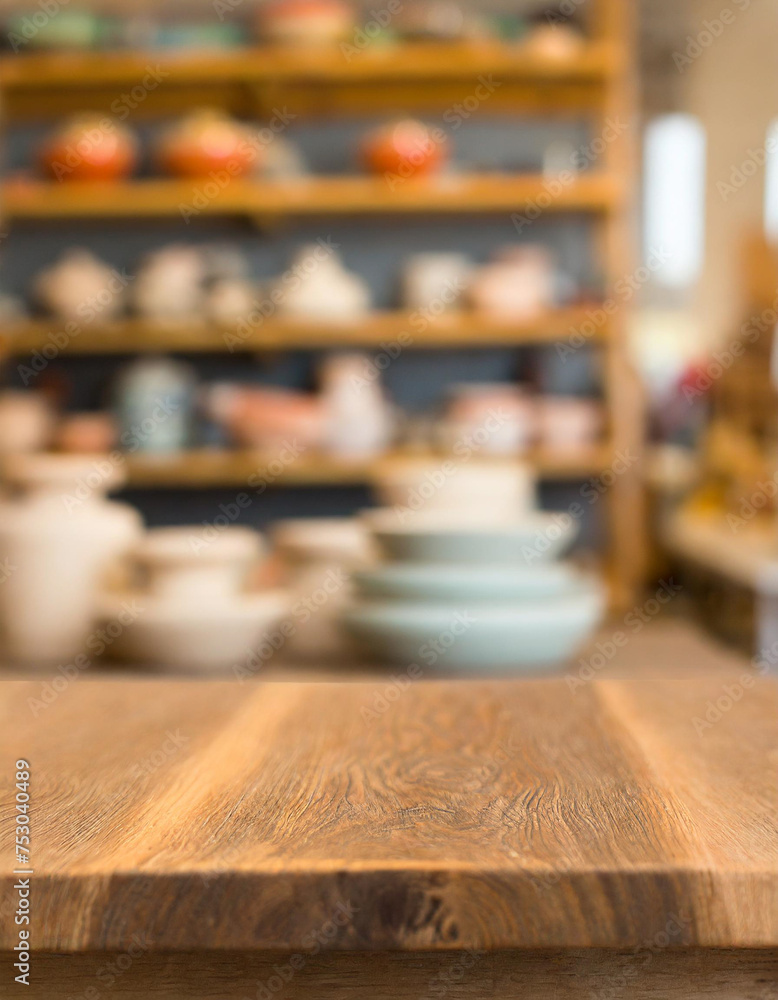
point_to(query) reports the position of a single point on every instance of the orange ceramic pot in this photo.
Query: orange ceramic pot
(90, 148)
(407, 148)
(204, 142)
(305, 22)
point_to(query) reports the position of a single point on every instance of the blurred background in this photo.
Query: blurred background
(502, 273)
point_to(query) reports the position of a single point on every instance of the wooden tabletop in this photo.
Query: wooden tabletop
(377, 816)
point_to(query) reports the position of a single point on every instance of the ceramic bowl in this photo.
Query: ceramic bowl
(502, 488)
(471, 584)
(446, 537)
(509, 637)
(169, 634)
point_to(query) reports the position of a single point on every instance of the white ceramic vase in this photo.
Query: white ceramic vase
(58, 536)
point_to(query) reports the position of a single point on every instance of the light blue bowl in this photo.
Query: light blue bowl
(467, 584)
(437, 537)
(507, 637)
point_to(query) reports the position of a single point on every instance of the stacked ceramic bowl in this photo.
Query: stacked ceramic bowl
(473, 586)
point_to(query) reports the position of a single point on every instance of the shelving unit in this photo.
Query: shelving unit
(596, 83)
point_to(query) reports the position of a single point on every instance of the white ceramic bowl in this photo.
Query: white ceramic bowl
(451, 483)
(167, 634)
(514, 637)
(450, 537)
(476, 584)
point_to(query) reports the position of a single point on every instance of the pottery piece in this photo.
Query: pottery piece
(510, 637)
(437, 536)
(79, 288)
(58, 536)
(305, 22)
(169, 282)
(197, 614)
(435, 281)
(267, 418)
(498, 419)
(359, 419)
(181, 566)
(518, 283)
(317, 286)
(319, 555)
(554, 41)
(495, 490)
(228, 300)
(70, 30)
(86, 433)
(438, 20)
(26, 421)
(154, 405)
(206, 141)
(89, 147)
(568, 422)
(472, 584)
(406, 148)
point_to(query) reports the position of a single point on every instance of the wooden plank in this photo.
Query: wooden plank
(410, 61)
(346, 195)
(488, 814)
(456, 329)
(201, 468)
(653, 972)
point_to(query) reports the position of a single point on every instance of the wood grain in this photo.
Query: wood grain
(464, 815)
(648, 974)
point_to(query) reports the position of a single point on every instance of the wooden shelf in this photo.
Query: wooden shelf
(459, 329)
(204, 468)
(412, 61)
(251, 81)
(337, 195)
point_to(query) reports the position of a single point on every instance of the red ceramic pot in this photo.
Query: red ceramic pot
(90, 148)
(407, 148)
(207, 141)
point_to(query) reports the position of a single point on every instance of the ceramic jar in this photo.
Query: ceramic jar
(206, 141)
(79, 288)
(518, 283)
(569, 422)
(26, 421)
(89, 147)
(169, 283)
(154, 405)
(318, 556)
(305, 22)
(359, 418)
(492, 418)
(407, 148)
(435, 282)
(198, 613)
(317, 286)
(58, 537)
